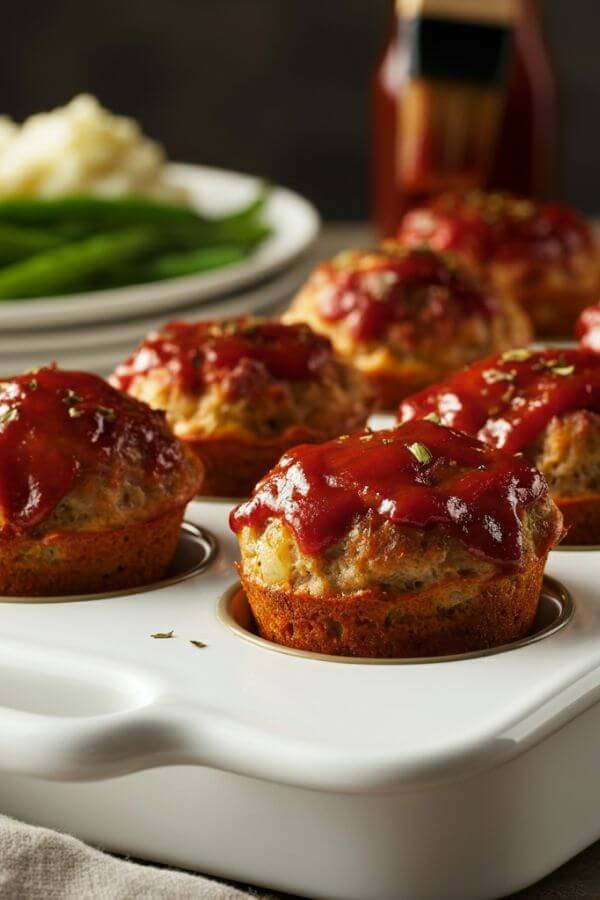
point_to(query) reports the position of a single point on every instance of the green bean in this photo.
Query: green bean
(66, 267)
(203, 259)
(245, 224)
(250, 211)
(81, 243)
(100, 210)
(121, 211)
(176, 264)
(19, 243)
(248, 233)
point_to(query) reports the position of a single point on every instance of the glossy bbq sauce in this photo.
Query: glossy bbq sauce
(416, 290)
(55, 426)
(418, 475)
(497, 227)
(587, 329)
(508, 400)
(197, 354)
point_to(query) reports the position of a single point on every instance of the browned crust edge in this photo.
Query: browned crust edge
(391, 389)
(581, 519)
(84, 562)
(554, 311)
(234, 465)
(372, 623)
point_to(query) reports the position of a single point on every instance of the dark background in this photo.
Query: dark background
(274, 87)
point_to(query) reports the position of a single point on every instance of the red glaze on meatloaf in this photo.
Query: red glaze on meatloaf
(241, 391)
(406, 317)
(92, 485)
(545, 404)
(545, 256)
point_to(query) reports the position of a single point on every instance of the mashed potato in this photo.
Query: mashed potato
(81, 148)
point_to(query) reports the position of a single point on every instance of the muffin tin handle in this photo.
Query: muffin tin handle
(166, 732)
(86, 748)
(162, 733)
(92, 748)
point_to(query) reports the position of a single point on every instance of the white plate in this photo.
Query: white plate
(295, 225)
(42, 345)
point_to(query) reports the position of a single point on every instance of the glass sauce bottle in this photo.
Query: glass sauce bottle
(463, 97)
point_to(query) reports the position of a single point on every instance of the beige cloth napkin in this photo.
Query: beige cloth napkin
(39, 864)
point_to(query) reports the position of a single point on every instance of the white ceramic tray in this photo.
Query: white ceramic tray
(463, 779)
(294, 222)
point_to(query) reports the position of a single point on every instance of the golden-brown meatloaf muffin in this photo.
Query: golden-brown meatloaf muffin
(241, 391)
(415, 541)
(93, 486)
(587, 329)
(545, 256)
(405, 317)
(544, 404)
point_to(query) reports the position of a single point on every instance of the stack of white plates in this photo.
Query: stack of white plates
(94, 331)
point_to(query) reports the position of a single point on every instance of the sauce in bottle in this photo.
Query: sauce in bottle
(463, 98)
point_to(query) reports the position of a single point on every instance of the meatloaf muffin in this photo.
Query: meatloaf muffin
(405, 317)
(93, 486)
(587, 329)
(415, 541)
(544, 256)
(544, 404)
(239, 392)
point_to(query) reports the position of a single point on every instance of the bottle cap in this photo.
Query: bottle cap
(500, 12)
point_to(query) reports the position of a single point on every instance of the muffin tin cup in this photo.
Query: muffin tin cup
(555, 611)
(195, 551)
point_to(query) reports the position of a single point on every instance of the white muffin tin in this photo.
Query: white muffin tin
(467, 778)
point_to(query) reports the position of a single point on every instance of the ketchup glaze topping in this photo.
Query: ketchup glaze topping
(56, 426)
(414, 291)
(507, 400)
(198, 353)
(419, 474)
(587, 329)
(497, 227)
